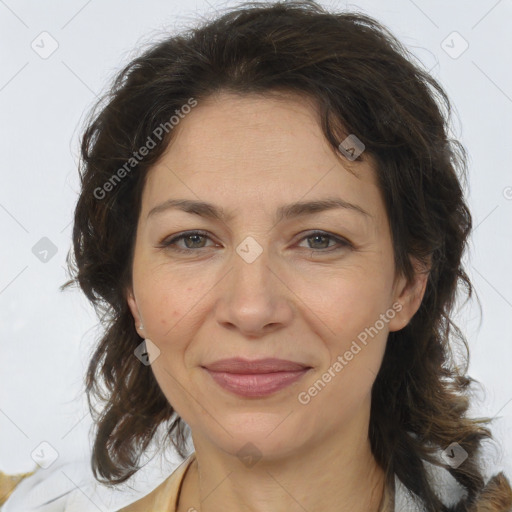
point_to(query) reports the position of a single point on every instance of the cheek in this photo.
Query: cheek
(357, 334)
(168, 309)
(167, 298)
(355, 342)
(348, 302)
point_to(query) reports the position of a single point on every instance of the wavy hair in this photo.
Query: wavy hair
(363, 82)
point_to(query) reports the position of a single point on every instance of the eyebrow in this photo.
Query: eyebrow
(289, 211)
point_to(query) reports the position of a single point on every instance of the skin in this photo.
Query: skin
(299, 300)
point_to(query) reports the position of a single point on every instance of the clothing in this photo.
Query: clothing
(66, 489)
(165, 496)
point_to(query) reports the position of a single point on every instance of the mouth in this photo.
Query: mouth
(247, 366)
(257, 378)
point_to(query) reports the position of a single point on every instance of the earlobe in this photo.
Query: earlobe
(409, 295)
(132, 304)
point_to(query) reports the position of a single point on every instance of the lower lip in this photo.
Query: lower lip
(257, 384)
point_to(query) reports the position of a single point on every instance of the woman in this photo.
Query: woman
(271, 224)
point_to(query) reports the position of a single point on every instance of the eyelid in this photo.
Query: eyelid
(167, 241)
(341, 242)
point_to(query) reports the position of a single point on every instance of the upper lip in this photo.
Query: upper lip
(246, 366)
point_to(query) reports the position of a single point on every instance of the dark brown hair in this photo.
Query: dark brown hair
(363, 82)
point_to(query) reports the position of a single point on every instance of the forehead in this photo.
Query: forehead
(273, 124)
(259, 148)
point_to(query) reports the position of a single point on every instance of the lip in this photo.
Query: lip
(256, 378)
(247, 366)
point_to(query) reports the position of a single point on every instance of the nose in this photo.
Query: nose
(253, 298)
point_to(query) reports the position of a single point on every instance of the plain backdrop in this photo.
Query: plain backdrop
(57, 57)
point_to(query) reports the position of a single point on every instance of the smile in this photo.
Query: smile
(256, 384)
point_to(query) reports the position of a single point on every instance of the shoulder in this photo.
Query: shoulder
(165, 496)
(71, 487)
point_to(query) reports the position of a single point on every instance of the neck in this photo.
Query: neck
(337, 474)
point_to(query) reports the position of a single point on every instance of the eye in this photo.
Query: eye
(192, 240)
(195, 240)
(322, 238)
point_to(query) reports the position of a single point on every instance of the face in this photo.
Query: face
(313, 286)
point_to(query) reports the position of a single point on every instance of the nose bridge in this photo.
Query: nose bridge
(251, 268)
(253, 297)
(251, 279)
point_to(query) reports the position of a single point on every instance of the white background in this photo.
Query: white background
(47, 336)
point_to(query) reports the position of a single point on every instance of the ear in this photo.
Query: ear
(409, 295)
(132, 304)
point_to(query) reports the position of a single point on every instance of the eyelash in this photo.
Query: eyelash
(167, 244)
